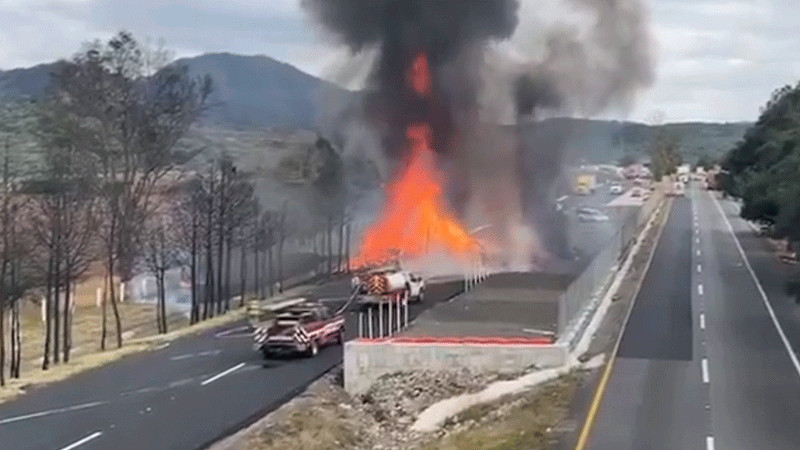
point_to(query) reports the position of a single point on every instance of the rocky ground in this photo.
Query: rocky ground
(326, 417)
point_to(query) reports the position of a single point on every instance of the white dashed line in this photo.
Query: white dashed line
(709, 442)
(50, 412)
(700, 288)
(222, 374)
(698, 253)
(697, 240)
(702, 321)
(704, 366)
(88, 438)
(699, 268)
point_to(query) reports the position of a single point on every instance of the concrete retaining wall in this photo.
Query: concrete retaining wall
(365, 362)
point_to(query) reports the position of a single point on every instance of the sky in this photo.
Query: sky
(717, 60)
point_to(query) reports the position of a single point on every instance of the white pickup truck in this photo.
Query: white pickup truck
(372, 287)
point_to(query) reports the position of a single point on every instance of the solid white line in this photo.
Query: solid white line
(702, 321)
(704, 365)
(709, 442)
(700, 288)
(50, 412)
(222, 374)
(699, 268)
(761, 291)
(88, 438)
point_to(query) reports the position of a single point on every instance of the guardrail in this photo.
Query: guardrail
(595, 279)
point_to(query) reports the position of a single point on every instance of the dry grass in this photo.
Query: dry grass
(524, 423)
(323, 429)
(139, 333)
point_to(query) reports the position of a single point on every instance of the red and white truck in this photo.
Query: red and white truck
(379, 285)
(301, 329)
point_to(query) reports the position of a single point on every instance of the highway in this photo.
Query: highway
(707, 357)
(183, 396)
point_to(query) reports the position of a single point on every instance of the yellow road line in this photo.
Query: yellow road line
(591, 416)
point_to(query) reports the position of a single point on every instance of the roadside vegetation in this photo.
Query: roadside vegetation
(103, 178)
(763, 172)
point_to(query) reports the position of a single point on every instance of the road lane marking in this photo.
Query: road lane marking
(700, 288)
(704, 364)
(697, 240)
(88, 438)
(180, 357)
(222, 374)
(699, 268)
(50, 412)
(698, 252)
(709, 442)
(594, 408)
(702, 321)
(761, 291)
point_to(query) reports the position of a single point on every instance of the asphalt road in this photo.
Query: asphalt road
(184, 396)
(702, 362)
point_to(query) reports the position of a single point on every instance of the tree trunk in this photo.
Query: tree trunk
(256, 272)
(330, 244)
(194, 314)
(47, 306)
(228, 273)
(57, 287)
(110, 263)
(114, 308)
(208, 307)
(347, 247)
(104, 325)
(159, 323)
(270, 273)
(281, 241)
(163, 301)
(18, 330)
(13, 361)
(243, 273)
(341, 244)
(67, 311)
(221, 243)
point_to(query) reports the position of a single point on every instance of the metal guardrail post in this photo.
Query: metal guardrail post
(406, 305)
(360, 325)
(389, 321)
(369, 321)
(380, 319)
(399, 309)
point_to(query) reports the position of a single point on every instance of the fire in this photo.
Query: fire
(415, 219)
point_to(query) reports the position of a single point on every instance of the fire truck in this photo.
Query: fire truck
(376, 285)
(300, 329)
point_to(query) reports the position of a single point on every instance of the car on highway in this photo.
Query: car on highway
(300, 329)
(586, 214)
(616, 189)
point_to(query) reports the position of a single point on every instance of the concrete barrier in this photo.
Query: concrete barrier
(365, 361)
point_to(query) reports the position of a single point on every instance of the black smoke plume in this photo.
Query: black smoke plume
(450, 33)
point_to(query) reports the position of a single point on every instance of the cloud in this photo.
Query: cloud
(717, 59)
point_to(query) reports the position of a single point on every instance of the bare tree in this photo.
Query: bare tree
(133, 115)
(160, 255)
(188, 213)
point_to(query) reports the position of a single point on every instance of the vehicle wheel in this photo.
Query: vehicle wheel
(421, 296)
(267, 354)
(340, 337)
(313, 349)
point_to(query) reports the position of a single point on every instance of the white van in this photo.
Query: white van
(679, 189)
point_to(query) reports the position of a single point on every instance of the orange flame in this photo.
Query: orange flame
(414, 220)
